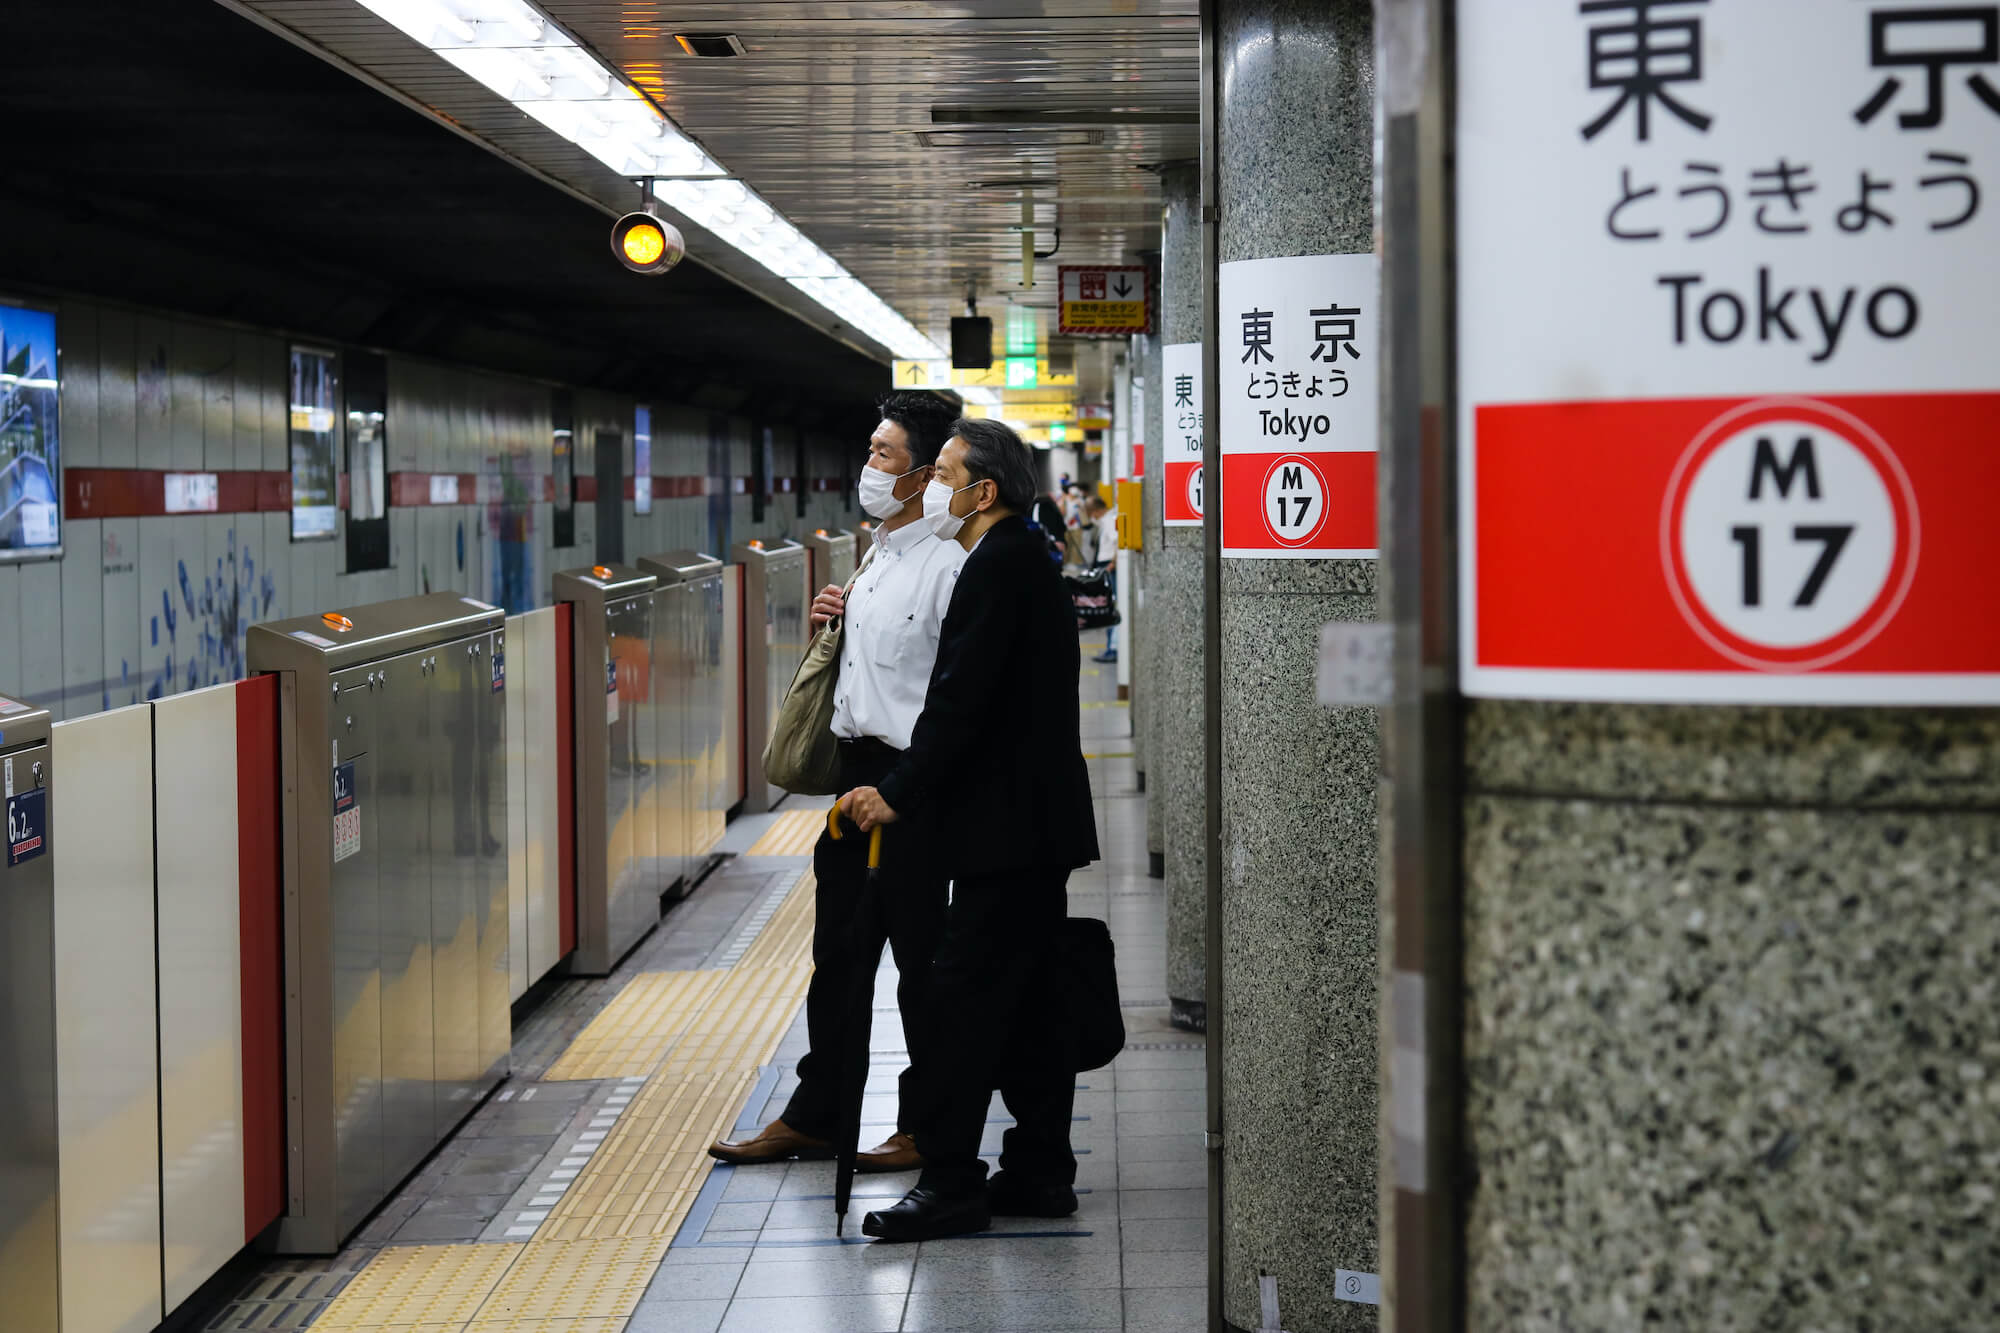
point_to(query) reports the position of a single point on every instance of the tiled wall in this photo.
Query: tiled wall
(140, 608)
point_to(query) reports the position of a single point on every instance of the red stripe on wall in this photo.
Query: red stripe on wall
(262, 952)
(565, 781)
(586, 489)
(132, 492)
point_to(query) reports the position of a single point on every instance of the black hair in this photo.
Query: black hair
(925, 418)
(993, 452)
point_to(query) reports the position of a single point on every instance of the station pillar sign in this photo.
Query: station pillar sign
(1300, 413)
(1180, 450)
(1729, 365)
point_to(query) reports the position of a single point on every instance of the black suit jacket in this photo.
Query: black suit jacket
(996, 762)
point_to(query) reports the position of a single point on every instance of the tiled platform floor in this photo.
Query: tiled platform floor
(758, 1251)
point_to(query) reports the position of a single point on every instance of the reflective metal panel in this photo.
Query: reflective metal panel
(635, 906)
(405, 743)
(106, 1025)
(28, 1142)
(360, 1169)
(774, 640)
(517, 812)
(200, 980)
(531, 684)
(491, 900)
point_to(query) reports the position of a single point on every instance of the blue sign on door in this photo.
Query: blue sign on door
(499, 671)
(27, 826)
(343, 788)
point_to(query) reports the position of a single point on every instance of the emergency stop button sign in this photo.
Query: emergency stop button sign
(1729, 373)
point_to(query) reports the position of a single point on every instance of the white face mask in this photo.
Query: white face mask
(878, 492)
(937, 509)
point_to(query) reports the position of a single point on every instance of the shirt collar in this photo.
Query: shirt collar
(904, 539)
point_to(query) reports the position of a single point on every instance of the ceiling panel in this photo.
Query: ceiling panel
(895, 135)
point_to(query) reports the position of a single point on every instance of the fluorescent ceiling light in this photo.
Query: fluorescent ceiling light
(511, 48)
(734, 212)
(508, 46)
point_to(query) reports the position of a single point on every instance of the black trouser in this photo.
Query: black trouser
(995, 1018)
(909, 909)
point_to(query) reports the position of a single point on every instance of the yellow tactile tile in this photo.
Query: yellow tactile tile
(792, 833)
(697, 1038)
(659, 1014)
(440, 1285)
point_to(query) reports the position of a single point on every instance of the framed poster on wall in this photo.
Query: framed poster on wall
(30, 435)
(315, 440)
(642, 456)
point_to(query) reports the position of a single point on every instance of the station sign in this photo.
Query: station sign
(1299, 412)
(1180, 450)
(1039, 413)
(937, 373)
(1102, 299)
(1727, 356)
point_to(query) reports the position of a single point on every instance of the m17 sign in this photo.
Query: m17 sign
(1299, 410)
(1730, 368)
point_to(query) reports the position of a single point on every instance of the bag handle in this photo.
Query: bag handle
(866, 560)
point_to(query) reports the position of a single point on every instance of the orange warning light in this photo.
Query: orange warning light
(602, 571)
(337, 620)
(646, 244)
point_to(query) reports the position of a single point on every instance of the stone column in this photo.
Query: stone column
(1299, 835)
(1174, 782)
(1147, 714)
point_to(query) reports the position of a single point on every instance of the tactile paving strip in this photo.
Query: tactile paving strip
(589, 1263)
(424, 1285)
(792, 833)
(658, 1013)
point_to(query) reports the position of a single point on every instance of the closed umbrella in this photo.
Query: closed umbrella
(866, 944)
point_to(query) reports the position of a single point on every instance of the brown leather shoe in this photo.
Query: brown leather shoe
(898, 1154)
(776, 1142)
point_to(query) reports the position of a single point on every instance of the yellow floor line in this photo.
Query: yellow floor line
(792, 833)
(698, 1038)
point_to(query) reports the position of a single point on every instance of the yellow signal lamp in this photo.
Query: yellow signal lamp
(647, 244)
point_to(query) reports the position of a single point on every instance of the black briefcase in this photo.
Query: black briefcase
(1086, 977)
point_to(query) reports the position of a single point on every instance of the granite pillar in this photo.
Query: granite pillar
(1299, 837)
(1731, 1047)
(1147, 714)
(1174, 784)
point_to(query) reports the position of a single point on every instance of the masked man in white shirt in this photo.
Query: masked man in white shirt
(891, 619)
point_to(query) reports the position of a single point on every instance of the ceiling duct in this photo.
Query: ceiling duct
(710, 45)
(998, 137)
(1058, 117)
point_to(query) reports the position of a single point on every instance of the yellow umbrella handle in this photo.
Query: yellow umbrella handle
(833, 822)
(875, 848)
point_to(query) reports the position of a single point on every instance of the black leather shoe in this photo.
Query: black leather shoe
(1006, 1197)
(926, 1215)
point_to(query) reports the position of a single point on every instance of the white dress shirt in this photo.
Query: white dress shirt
(890, 637)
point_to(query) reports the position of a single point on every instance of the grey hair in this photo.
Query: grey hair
(993, 452)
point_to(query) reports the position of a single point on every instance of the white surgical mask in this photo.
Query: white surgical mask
(878, 492)
(937, 509)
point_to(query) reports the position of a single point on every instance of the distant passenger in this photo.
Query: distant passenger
(1002, 702)
(889, 643)
(1103, 539)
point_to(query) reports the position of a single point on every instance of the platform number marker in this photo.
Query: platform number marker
(1294, 499)
(1790, 535)
(1194, 490)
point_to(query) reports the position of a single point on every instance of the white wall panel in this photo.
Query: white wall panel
(11, 642)
(217, 370)
(188, 357)
(76, 339)
(201, 1030)
(82, 616)
(117, 387)
(40, 629)
(108, 1095)
(124, 666)
(153, 392)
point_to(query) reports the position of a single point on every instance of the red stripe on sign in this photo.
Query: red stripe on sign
(1174, 501)
(261, 959)
(1581, 563)
(565, 781)
(1337, 491)
(586, 489)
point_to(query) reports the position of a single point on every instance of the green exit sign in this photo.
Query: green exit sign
(1022, 336)
(1021, 372)
(1058, 433)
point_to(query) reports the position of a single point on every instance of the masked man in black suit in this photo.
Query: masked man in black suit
(1002, 703)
